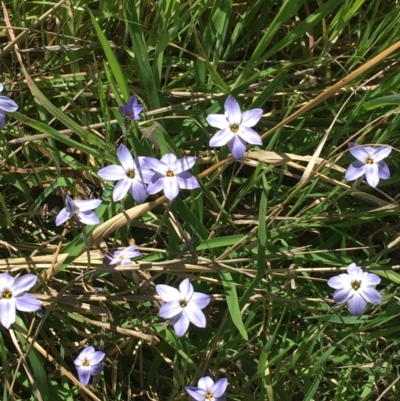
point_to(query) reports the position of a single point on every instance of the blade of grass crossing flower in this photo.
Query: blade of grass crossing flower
(112, 60)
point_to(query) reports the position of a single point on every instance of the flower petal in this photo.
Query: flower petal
(84, 374)
(1, 87)
(355, 170)
(340, 281)
(88, 218)
(237, 146)
(121, 188)
(370, 279)
(372, 174)
(205, 383)
(381, 153)
(249, 135)
(23, 283)
(370, 294)
(7, 312)
(187, 181)
(96, 369)
(2, 119)
(156, 184)
(111, 173)
(97, 357)
(342, 295)
(70, 204)
(195, 315)
(8, 104)
(181, 324)
(183, 164)
(356, 304)
(186, 289)
(232, 111)
(383, 170)
(84, 354)
(125, 158)
(251, 117)
(156, 165)
(360, 153)
(27, 303)
(171, 187)
(169, 159)
(221, 138)
(167, 293)
(62, 217)
(218, 121)
(219, 387)
(200, 300)
(6, 281)
(197, 394)
(138, 191)
(87, 204)
(170, 309)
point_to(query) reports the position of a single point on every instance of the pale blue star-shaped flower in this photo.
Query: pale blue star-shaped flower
(82, 209)
(124, 257)
(131, 109)
(132, 175)
(356, 288)
(369, 162)
(207, 390)
(183, 306)
(6, 105)
(170, 175)
(235, 128)
(89, 363)
(13, 297)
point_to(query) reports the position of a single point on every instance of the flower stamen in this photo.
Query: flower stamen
(7, 294)
(183, 303)
(356, 285)
(86, 363)
(234, 128)
(170, 173)
(209, 396)
(369, 161)
(131, 174)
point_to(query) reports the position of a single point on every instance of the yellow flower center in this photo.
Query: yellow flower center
(209, 396)
(170, 173)
(86, 363)
(7, 294)
(234, 128)
(131, 174)
(356, 285)
(121, 256)
(183, 303)
(369, 161)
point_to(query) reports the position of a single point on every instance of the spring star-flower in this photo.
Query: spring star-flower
(369, 162)
(82, 209)
(170, 175)
(124, 257)
(182, 306)
(132, 175)
(235, 128)
(88, 363)
(131, 109)
(13, 297)
(356, 288)
(6, 104)
(207, 390)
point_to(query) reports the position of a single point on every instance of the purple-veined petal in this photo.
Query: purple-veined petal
(62, 217)
(232, 111)
(355, 170)
(125, 158)
(370, 279)
(187, 181)
(87, 204)
(217, 121)
(138, 191)
(156, 165)
(84, 374)
(251, 117)
(2, 119)
(121, 188)
(249, 135)
(372, 174)
(84, 354)
(23, 283)
(186, 289)
(27, 303)
(381, 153)
(356, 304)
(156, 184)
(195, 315)
(342, 295)
(167, 293)
(170, 309)
(111, 173)
(144, 175)
(6, 281)
(205, 383)
(360, 153)
(96, 369)
(219, 387)
(183, 164)
(169, 159)
(200, 300)
(181, 324)
(70, 204)
(370, 294)
(7, 312)
(88, 218)
(340, 281)
(8, 104)
(197, 394)
(237, 147)
(97, 357)
(221, 138)
(383, 170)
(171, 187)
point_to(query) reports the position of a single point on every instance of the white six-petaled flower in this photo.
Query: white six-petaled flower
(82, 209)
(235, 128)
(356, 288)
(183, 306)
(13, 297)
(207, 390)
(124, 257)
(89, 363)
(6, 105)
(132, 175)
(369, 162)
(170, 175)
